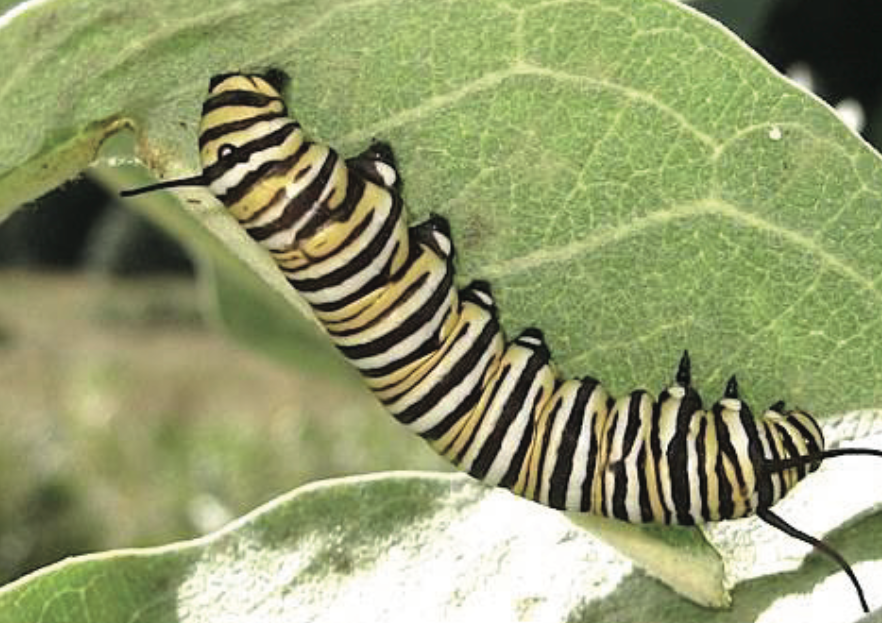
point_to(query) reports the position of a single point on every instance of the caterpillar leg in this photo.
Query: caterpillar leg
(377, 163)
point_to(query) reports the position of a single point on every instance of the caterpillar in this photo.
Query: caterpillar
(436, 357)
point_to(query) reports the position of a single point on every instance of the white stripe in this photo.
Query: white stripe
(554, 440)
(356, 281)
(596, 406)
(667, 428)
(619, 413)
(517, 358)
(406, 346)
(477, 319)
(632, 467)
(692, 466)
(236, 174)
(436, 271)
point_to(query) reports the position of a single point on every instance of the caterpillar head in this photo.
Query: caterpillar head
(240, 110)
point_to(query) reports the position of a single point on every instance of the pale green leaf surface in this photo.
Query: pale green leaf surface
(631, 178)
(688, 196)
(400, 547)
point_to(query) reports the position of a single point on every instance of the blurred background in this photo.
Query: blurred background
(131, 418)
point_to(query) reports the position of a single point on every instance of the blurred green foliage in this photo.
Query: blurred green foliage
(114, 437)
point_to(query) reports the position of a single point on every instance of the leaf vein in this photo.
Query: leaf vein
(707, 207)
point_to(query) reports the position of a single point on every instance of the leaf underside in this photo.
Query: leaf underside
(400, 547)
(630, 178)
(691, 197)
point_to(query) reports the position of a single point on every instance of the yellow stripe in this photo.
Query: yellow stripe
(427, 264)
(264, 190)
(417, 371)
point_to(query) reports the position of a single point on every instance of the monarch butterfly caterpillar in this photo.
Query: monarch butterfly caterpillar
(437, 359)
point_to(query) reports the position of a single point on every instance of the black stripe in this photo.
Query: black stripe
(632, 426)
(402, 331)
(243, 152)
(810, 442)
(330, 306)
(426, 348)
(566, 449)
(218, 131)
(464, 408)
(454, 376)
(655, 451)
(755, 454)
(411, 381)
(726, 449)
(792, 451)
(378, 281)
(472, 293)
(320, 216)
(510, 478)
(354, 195)
(593, 454)
(357, 264)
(299, 204)
(409, 292)
(357, 186)
(256, 214)
(767, 492)
(634, 421)
(678, 456)
(238, 98)
(618, 490)
(355, 233)
(217, 79)
(494, 390)
(277, 78)
(513, 405)
(543, 450)
(277, 196)
(744, 415)
(252, 177)
(611, 466)
(701, 455)
(426, 234)
(643, 492)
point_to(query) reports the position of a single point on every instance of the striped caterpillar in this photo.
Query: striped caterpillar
(436, 357)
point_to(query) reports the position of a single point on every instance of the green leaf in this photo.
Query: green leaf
(630, 177)
(693, 198)
(400, 547)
